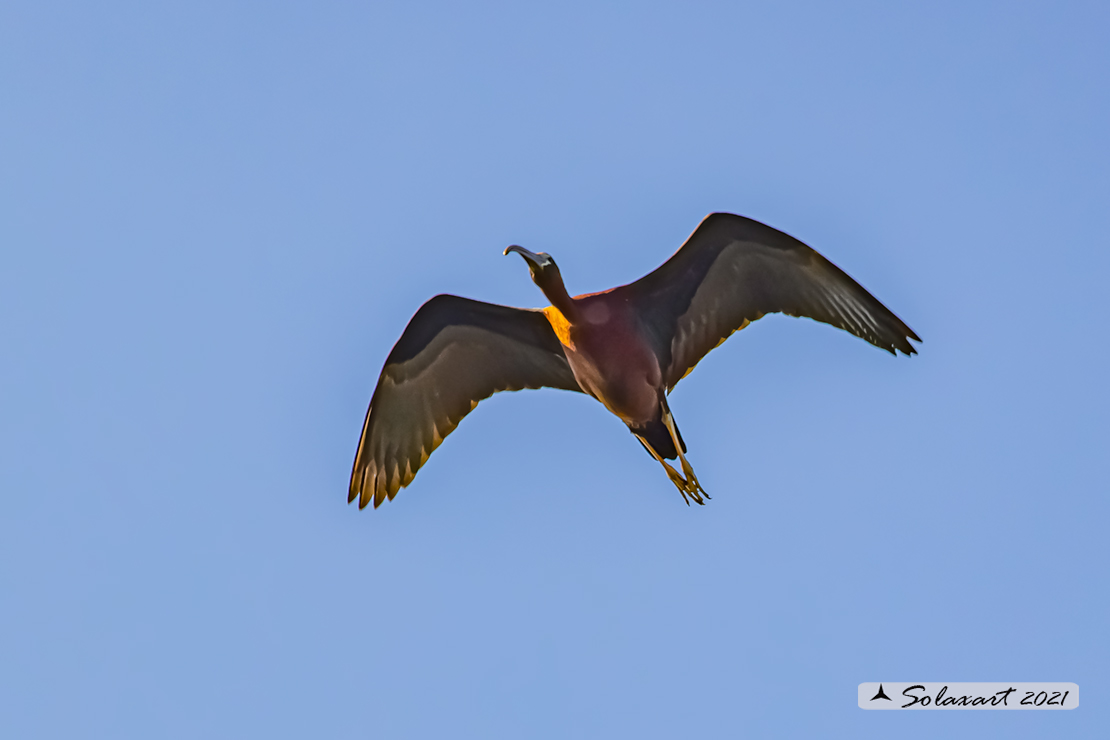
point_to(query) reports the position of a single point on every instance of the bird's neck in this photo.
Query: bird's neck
(552, 287)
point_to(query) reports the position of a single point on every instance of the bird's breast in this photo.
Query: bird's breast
(615, 367)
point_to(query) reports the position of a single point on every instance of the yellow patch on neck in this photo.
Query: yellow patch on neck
(560, 324)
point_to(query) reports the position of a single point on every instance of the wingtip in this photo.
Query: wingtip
(910, 349)
(357, 489)
(353, 490)
(904, 347)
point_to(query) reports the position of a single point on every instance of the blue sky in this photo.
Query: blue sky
(217, 218)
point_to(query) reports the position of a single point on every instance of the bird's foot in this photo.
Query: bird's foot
(691, 479)
(689, 486)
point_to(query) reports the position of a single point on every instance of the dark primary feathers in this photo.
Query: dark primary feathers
(453, 353)
(733, 270)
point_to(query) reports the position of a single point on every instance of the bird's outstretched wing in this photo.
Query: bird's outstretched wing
(453, 353)
(733, 270)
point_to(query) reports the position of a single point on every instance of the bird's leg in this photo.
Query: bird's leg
(685, 486)
(691, 479)
(680, 483)
(692, 485)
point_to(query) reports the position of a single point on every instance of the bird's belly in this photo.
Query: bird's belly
(624, 387)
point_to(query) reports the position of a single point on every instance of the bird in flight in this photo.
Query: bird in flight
(627, 347)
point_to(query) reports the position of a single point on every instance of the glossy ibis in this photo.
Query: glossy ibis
(627, 347)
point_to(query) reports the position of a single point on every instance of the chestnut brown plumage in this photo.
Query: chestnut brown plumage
(627, 347)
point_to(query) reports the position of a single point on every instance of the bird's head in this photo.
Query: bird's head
(544, 270)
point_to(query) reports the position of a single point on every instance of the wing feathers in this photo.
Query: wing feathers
(454, 353)
(732, 271)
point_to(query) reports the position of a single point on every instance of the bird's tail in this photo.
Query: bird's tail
(654, 434)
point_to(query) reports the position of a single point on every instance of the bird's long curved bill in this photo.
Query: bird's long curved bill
(531, 257)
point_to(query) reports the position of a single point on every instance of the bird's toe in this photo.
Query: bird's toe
(692, 484)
